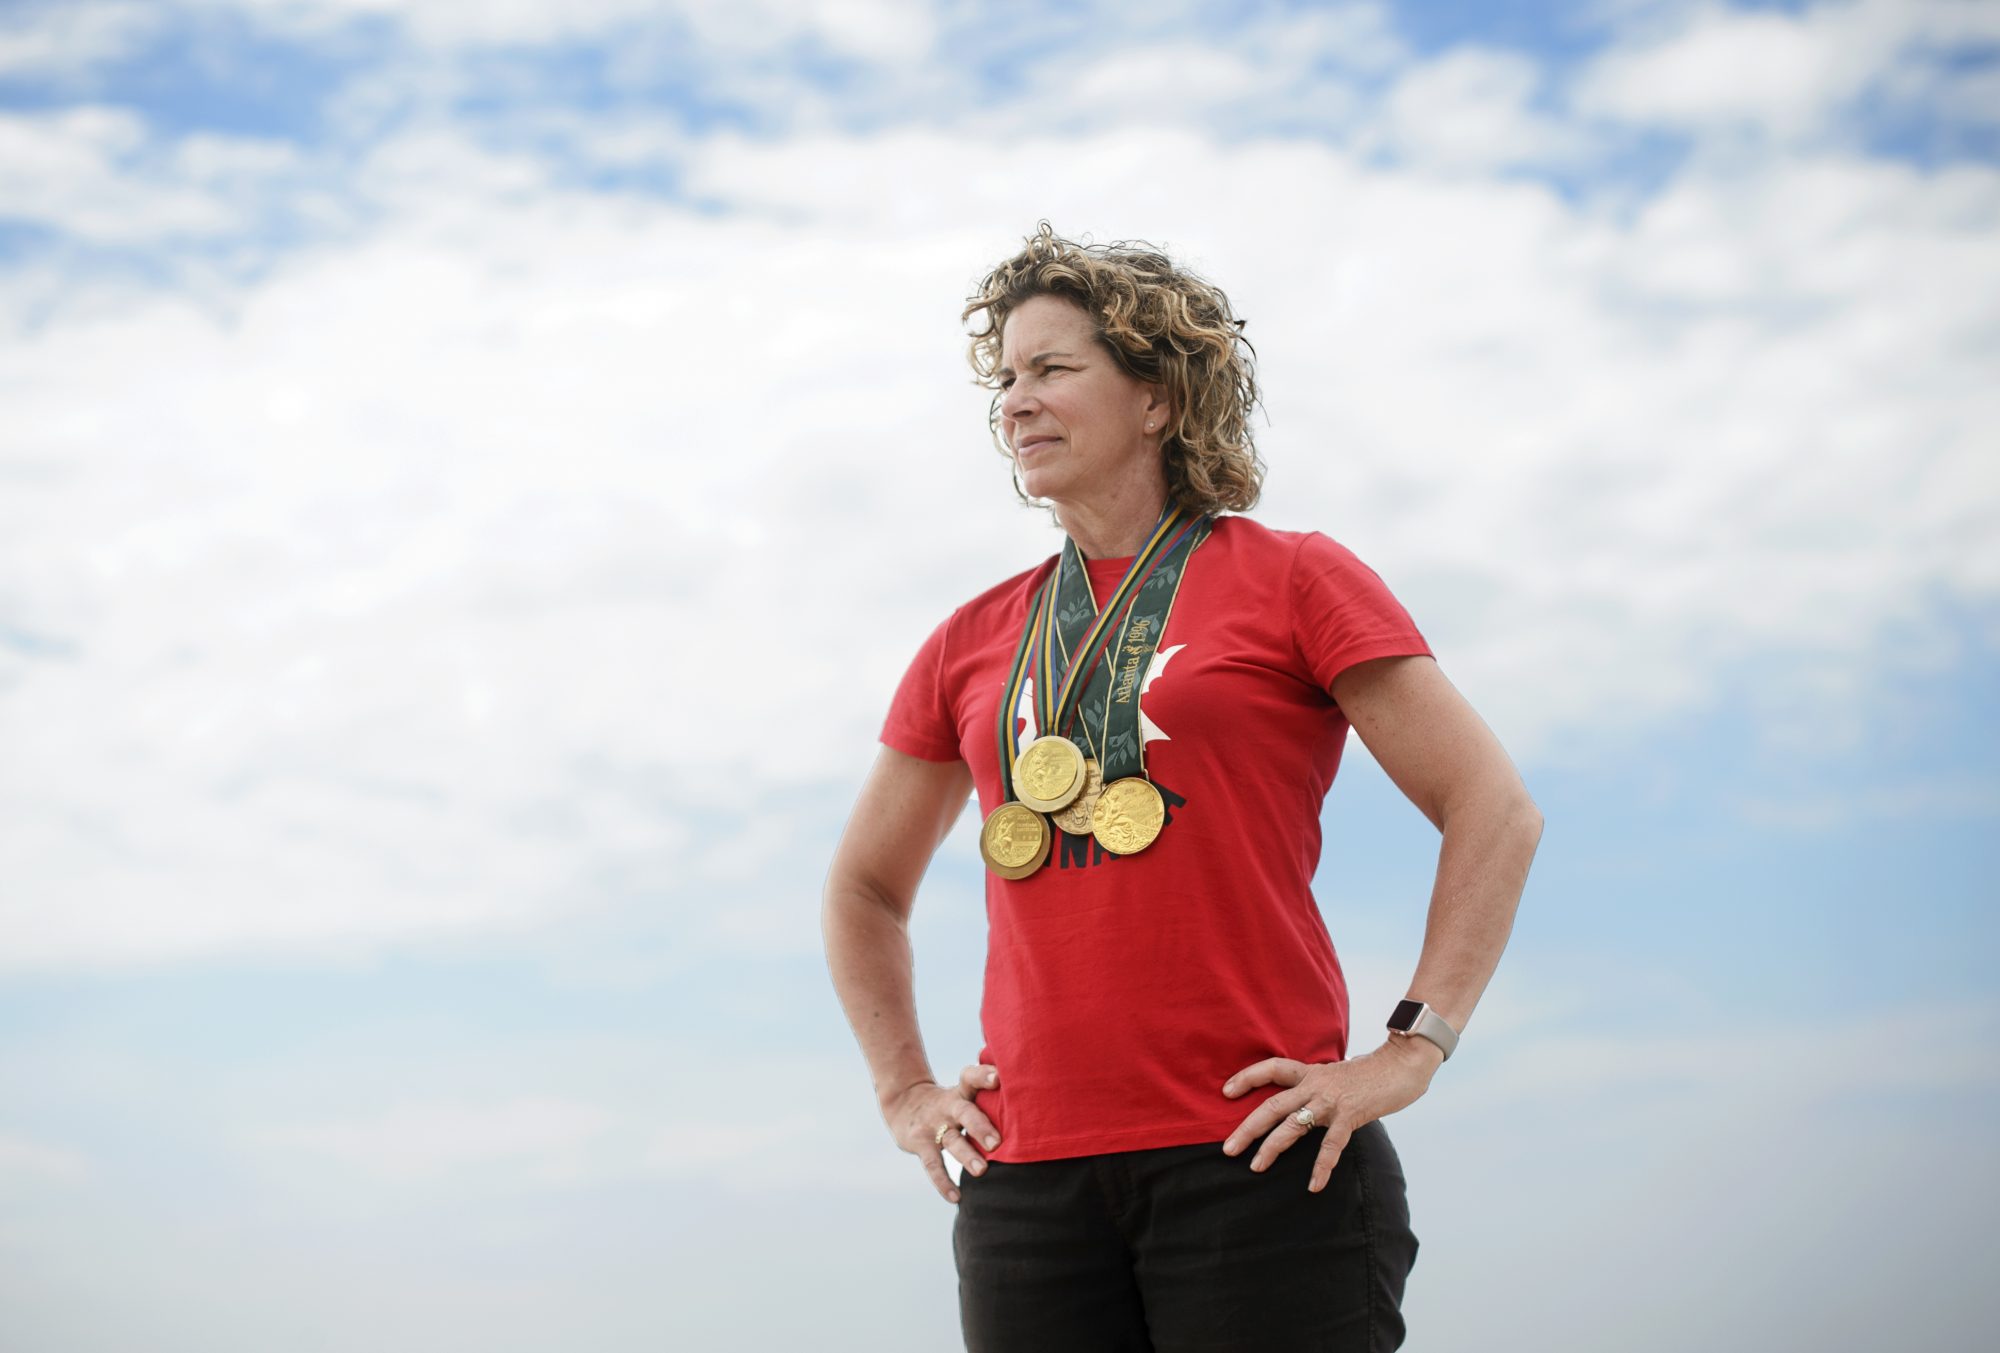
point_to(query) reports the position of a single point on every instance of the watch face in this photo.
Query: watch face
(1406, 1014)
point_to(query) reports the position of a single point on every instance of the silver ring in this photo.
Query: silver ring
(942, 1132)
(1304, 1118)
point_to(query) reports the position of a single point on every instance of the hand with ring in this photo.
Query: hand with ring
(931, 1121)
(1338, 1096)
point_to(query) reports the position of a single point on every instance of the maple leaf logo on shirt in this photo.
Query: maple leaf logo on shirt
(1024, 712)
(1149, 730)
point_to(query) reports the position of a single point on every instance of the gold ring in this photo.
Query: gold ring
(1304, 1118)
(948, 1127)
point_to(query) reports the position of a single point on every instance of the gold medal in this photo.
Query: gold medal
(1075, 819)
(1128, 816)
(1014, 840)
(1049, 774)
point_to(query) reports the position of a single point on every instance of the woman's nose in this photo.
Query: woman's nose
(1014, 402)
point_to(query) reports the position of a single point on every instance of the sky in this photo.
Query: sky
(471, 475)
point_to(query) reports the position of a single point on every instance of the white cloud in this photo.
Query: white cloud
(57, 41)
(1582, 421)
(477, 571)
(506, 555)
(94, 173)
(533, 553)
(1718, 69)
(67, 166)
(1471, 109)
(1359, 37)
(1124, 81)
(1729, 66)
(883, 30)
(1313, 69)
(875, 29)
(462, 533)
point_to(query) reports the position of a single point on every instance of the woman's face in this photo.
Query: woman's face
(1078, 425)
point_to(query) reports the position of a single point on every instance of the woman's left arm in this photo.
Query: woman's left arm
(1442, 755)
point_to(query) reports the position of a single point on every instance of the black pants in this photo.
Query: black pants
(1184, 1249)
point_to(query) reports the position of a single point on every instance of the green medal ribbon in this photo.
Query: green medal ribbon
(1113, 658)
(1105, 650)
(1010, 695)
(1079, 627)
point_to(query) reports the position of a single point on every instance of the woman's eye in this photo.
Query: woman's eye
(1008, 381)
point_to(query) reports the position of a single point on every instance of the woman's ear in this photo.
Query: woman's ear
(1159, 409)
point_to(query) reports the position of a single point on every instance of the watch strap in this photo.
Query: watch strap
(1417, 1020)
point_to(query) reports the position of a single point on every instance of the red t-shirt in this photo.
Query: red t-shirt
(1122, 992)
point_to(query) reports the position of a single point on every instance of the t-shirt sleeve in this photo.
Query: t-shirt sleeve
(1343, 613)
(920, 720)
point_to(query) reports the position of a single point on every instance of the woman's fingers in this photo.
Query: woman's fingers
(1271, 1071)
(940, 1123)
(961, 1149)
(933, 1144)
(978, 1126)
(1329, 1156)
(1342, 1096)
(1287, 1131)
(934, 1167)
(1275, 1123)
(1273, 1116)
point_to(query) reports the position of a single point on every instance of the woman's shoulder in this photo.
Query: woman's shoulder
(1304, 560)
(1261, 544)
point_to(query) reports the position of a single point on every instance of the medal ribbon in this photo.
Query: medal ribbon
(1086, 634)
(1056, 700)
(1010, 697)
(1114, 687)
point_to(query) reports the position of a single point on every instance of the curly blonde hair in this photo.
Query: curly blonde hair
(1164, 326)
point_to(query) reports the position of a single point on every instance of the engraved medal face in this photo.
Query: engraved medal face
(1128, 816)
(1082, 655)
(1075, 819)
(1014, 840)
(1049, 774)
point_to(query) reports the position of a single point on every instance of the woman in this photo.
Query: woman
(1162, 999)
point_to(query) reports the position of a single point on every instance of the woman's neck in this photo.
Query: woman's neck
(1113, 526)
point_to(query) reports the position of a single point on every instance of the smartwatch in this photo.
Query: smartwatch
(1415, 1019)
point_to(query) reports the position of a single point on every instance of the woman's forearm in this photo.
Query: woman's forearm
(904, 810)
(1489, 841)
(1447, 762)
(868, 955)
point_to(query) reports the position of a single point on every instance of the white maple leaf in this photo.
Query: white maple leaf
(1148, 730)
(1024, 713)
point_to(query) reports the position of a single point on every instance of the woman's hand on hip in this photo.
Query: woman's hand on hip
(916, 1116)
(1342, 1096)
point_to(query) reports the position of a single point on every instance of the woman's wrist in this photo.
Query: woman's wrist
(1414, 1051)
(888, 1101)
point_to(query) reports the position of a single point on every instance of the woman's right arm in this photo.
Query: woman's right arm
(906, 808)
